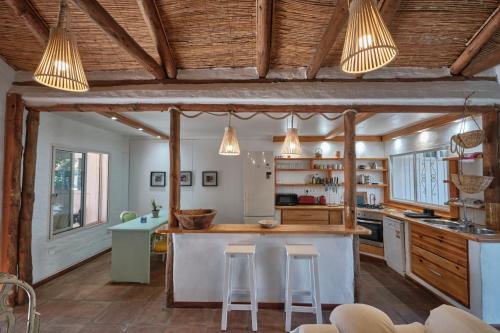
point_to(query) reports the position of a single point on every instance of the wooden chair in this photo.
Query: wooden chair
(126, 216)
(159, 244)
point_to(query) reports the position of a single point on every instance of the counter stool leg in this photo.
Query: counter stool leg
(289, 295)
(317, 300)
(226, 293)
(253, 290)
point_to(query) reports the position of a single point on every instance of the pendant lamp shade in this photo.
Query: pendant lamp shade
(61, 66)
(368, 44)
(229, 145)
(291, 146)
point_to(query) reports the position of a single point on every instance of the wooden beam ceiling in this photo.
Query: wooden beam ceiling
(388, 9)
(481, 63)
(91, 107)
(134, 124)
(337, 22)
(422, 126)
(480, 38)
(159, 35)
(27, 13)
(321, 138)
(360, 117)
(117, 33)
(264, 24)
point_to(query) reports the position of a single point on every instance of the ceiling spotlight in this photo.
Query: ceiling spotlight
(140, 129)
(113, 118)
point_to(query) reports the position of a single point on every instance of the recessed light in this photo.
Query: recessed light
(113, 118)
(140, 129)
(158, 137)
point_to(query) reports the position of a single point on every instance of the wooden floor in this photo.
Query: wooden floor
(84, 300)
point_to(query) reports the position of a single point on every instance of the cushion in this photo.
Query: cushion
(410, 328)
(361, 318)
(316, 328)
(446, 318)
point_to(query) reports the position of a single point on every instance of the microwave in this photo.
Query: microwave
(286, 199)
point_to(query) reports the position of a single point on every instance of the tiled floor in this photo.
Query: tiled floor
(85, 301)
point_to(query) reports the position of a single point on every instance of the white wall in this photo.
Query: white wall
(202, 155)
(69, 248)
(6, 78)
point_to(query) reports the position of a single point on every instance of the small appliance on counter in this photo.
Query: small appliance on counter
(286, 199)
(307, 200)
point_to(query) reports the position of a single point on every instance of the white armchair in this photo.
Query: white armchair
(362, 318)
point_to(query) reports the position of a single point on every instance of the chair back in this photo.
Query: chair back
(127, 216)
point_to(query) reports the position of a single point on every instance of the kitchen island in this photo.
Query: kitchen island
(198, 266)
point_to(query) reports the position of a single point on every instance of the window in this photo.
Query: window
(79, 189)
(419, 177)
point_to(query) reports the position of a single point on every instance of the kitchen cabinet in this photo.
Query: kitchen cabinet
(441, 259)
(311, 216)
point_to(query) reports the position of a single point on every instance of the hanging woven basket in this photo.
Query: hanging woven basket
(471, 184)
(469, 139)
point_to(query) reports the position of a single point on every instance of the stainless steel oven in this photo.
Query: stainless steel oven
(374, 222)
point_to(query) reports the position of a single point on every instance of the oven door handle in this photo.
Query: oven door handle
(368, 222)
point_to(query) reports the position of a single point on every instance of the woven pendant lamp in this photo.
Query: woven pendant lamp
(229, 145)
(291, 146)
(61, 67)
(368, 44)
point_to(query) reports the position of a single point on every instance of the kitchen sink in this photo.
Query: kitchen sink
(440, 222)
(473, 230)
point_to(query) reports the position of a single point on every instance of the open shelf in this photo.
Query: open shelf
(305, 185)
(465, 158)
(328, 159)
(372, 185)
(334, 170)
(472, 206)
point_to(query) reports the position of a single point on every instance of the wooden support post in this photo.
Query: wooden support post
(174, 200)
(27, 200)
(491, 158)
(264, 22)
(11, 181)
(350, 190)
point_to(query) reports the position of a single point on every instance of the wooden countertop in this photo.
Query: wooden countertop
(320, 207)
(280, 229)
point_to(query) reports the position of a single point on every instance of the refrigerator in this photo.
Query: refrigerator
(258, 186)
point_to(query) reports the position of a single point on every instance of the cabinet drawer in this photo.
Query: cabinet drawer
(441, 243)
(441, 279)
(458, 270)
(305, 215)
(305, 222)
(336, 216)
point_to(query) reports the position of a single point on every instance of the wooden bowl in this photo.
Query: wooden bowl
(195, 219)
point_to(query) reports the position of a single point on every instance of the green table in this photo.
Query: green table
(131, 248)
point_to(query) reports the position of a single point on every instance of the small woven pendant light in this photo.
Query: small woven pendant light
(291, 146)
(368, 44)
(229, 145)
(61, 67)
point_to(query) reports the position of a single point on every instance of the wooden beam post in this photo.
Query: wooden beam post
(25, 10)
(174, 200)
(13, 150)
(157, 29)
(107, 23)
(27, 200)
(491, 158)
(264, 24)
(422, 125)
(482, 62)
(360, 117)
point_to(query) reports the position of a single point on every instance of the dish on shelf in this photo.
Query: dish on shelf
(268, 224)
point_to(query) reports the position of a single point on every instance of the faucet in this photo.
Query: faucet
(466, 221)
(372, 196)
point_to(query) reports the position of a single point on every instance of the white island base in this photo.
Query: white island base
(199, 266)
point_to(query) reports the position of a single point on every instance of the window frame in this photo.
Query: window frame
(83, 227)
(415, 202)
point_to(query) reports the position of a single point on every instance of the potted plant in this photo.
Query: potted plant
(156, 208)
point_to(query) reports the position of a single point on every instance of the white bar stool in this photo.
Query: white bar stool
(304, 252)
(231, 252)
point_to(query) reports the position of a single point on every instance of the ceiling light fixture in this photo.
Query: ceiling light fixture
(291, 145)
(140, 129)
(368, 43)
(229, 145)
(61, 66)
(114, 118)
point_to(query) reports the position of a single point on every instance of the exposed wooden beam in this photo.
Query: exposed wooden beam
(480, 38)
(158, 33)
(481, 63)
(11, 201)
(337, 22)
(134, 124)
(91, 107)
(264, 24)
(117, 33)
(360, 117)
(388, 9)
(321, 138)
(25, 10)
(27, 200)
(422, 125)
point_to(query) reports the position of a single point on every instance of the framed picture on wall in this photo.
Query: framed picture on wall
(158, 179)
(209, 178)
(186, 178)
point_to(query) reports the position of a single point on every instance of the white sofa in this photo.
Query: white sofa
(362, 318)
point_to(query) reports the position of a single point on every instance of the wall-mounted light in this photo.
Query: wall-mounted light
(229, 145)
(291, 145)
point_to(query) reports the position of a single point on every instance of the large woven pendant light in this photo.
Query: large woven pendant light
(229, 145)
(291, 146)
(368, 44)
(61, 67)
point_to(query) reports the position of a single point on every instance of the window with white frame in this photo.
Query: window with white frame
(418, 177)
(79, 195)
